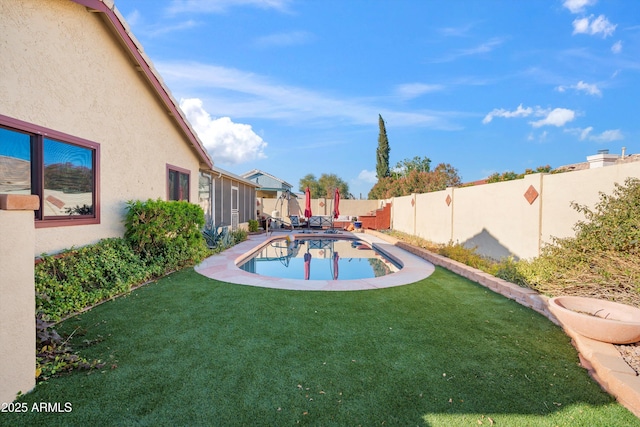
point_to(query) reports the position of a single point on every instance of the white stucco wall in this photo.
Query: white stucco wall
(583, 187)
(17, 304)
(62, 68)
(435, 215)
(498, 219)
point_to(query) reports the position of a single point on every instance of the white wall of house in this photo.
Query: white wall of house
(64, 69)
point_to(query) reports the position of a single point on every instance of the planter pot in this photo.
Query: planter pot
(598, 319)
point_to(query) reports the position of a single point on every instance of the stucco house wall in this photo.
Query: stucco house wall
(64, 68)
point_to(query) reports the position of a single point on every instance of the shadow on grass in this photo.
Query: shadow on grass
(188, 350)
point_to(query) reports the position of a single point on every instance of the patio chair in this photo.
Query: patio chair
(296, 222)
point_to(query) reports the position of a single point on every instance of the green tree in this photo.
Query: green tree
(420, 164)
(324, 186)
(510, 175)
(310, 181)
(444, 175)
(382, 153)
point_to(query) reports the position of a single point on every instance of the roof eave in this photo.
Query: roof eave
(144, 65)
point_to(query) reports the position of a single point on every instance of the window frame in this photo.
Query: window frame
(180, 171)
(38, 134)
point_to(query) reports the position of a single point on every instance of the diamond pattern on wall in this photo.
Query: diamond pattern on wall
(448, 200)
(531, 194)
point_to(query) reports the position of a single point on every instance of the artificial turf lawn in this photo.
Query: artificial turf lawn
(189, 350)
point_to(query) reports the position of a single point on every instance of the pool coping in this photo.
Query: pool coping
(223, 266)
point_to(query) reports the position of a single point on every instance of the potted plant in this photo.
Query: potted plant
(357, 224)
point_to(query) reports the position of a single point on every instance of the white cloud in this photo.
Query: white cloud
(556, 117)
(617, 47)
(587, 134)
(285, 39)
(220, 6)
(608, 136)
(590, 89)
(501, 112)
(414, 90)
(367, 176)
(227, 142)
(577, 6)
(600, 25)
(584, 133)
(133, 18)
(476, 50)
(237, 93)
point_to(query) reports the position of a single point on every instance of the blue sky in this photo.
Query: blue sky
(294, 87)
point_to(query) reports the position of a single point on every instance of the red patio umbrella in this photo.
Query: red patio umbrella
(307, 265)
(336, 203)
(336, 258)
(307, 203)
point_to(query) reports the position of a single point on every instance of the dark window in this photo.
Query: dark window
(177, 183)
(60, 168)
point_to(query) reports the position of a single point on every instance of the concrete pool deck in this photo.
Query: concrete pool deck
(223, 266)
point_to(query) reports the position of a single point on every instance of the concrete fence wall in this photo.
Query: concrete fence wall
(322, 206)
(17, 296)
(508, 218)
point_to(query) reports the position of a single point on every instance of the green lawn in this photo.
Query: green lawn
(188, 350)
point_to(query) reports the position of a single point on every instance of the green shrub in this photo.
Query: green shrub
(68, 282)
(603, 259)
(238, 236)
(511, 270)
(253, 225)
(167, 235)
(468, 256)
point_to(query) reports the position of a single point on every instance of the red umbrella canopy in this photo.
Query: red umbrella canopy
(336, 204)
(307, 203)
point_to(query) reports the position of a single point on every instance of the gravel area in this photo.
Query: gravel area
(631, 354)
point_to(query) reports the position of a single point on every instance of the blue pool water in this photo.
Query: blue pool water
(320, 259)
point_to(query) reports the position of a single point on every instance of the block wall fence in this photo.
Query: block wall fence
(511, 218)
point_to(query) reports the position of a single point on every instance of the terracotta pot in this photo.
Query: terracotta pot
(598, 319)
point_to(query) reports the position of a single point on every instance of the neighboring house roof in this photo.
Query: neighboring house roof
(257, 173)
(143, 64)
(221, 172)
(586, 165)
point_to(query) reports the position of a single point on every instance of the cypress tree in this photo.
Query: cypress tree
(382, 153)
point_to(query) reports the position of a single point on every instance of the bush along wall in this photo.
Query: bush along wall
(160, 237)
(73, 280)
(166, 235)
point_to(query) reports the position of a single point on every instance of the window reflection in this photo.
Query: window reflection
(68, 179)
(15, 162)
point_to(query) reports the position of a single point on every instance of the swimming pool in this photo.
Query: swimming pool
(320, 258)
(224, 266)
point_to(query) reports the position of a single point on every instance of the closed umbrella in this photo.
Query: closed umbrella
(307, 265)
(336, 203)
(336, 258)
(307, 203)
(307, 206)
